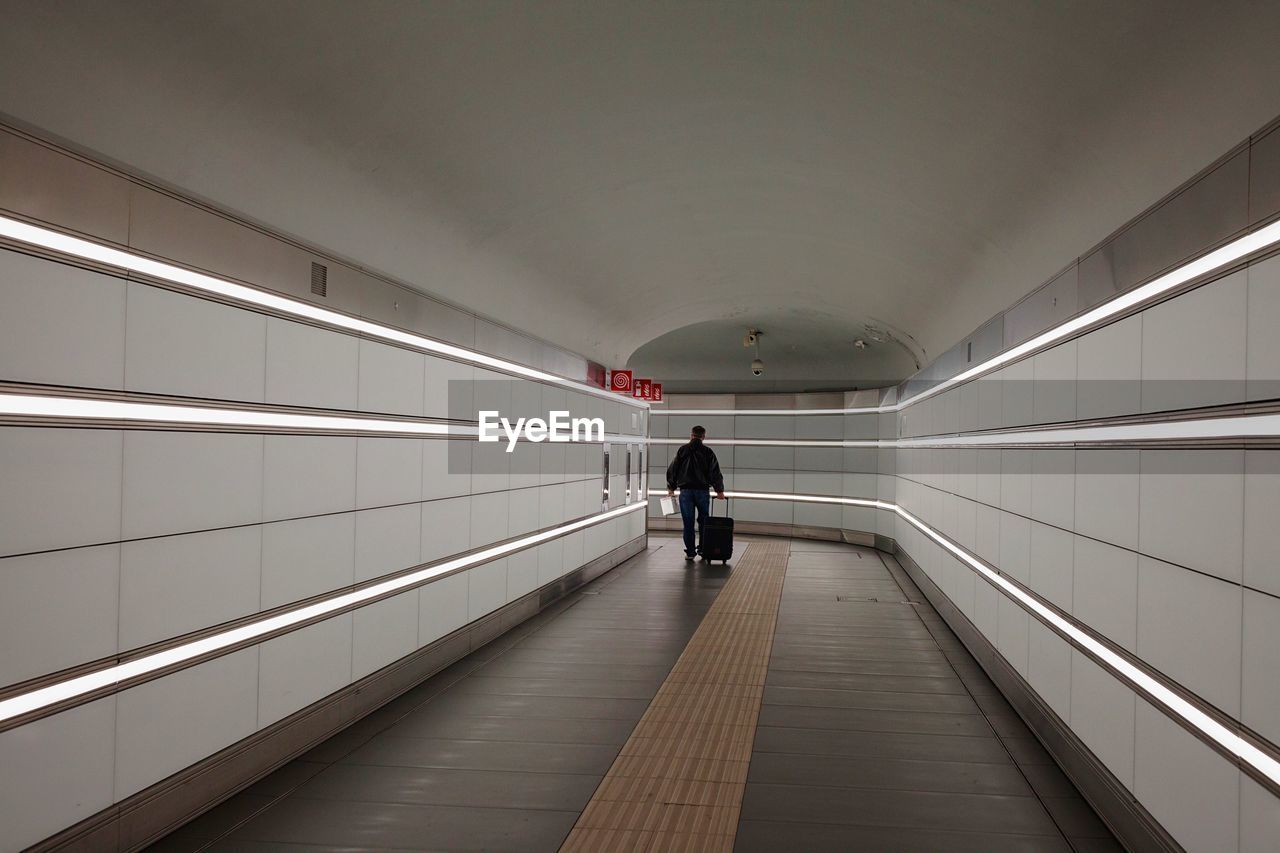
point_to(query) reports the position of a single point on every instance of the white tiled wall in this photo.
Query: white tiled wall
(116, 539)
(1169, 553)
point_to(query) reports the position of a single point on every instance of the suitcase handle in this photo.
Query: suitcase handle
(726, 506)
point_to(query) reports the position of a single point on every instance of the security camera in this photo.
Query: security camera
(757, 367)
(751, 338)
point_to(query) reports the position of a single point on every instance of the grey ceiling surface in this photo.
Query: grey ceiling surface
(603, 174)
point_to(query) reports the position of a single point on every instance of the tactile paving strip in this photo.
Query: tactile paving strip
(677, 784)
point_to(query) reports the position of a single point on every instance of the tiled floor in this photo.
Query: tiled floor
(877, 731)
(678, 783)
(880, 732)
(503, 750)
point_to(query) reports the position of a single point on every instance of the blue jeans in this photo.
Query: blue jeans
(690, 500)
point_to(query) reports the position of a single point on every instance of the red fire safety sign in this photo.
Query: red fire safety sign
(620, 381)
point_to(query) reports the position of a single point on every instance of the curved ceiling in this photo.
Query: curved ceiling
(802, 350)
(603, 173)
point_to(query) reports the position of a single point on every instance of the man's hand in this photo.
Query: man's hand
(671, 493)
(721, 496)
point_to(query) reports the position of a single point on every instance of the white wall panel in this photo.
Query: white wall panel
(522, 573)
(1106, 504)
(298, 668)
(181, 481)
(309, 366)
(307, 556)
(391, 379)
(1104, 592)
(1192, 509)
(1260, 697)
(1052, 564)
(522, 508)
(777, 512)
(1185, 784)
(442, 607)
(388, 471)
(308, 475)
(446, 468)
(1015, 547)
(57, 610)
(988, 534)
(487, 588)
(1013, 633)
(551, 561)
(1170, 599)
(1259, 817)
(986, 603)
(1017, 398)
(172, 585)
(163, 726)
(1262, 358)
(1053, 487)
(1109, 370)
(57, 771)
(446, 528)
(60, 325)
(1055, 384)
(387, 540)
(1178, 370)
(1015, 480)
(490, 515)
(1261, 532)
(760, 458)
(61, 488)
(1102, 714)
(384, 632)
(1049, 667)
(178, 344)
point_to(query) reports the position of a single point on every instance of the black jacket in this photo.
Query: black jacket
(695, 467)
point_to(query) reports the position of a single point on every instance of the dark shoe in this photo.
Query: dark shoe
(688, 558)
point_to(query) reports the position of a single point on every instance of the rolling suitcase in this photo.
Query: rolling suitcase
(717, 535)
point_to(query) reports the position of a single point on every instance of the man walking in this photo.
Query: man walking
(695, 471)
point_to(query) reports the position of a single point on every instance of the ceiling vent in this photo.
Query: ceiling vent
(319, 279)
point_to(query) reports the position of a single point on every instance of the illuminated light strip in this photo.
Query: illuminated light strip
(1194, 429)
(868, 410)
(80, 408)
(1242, 247)
(777, 496)
(76, 247)
(774, 442)
(1241, 426)
(77, 408)
(1174, 704)
(63, 691)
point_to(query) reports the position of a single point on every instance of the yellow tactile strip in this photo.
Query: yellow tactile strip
(677, 784)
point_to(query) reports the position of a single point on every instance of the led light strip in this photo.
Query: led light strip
(1192, 429)
(88, 409)
(72, 688)
(76, 247)
(1173, 703)
(77, 408)
(778, 496)
(862, 410)
(774, 442)
(1242, 247)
